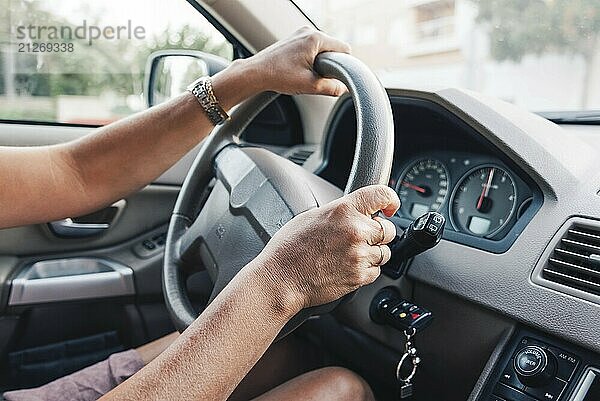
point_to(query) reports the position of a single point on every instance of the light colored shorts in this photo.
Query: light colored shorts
(87, 384)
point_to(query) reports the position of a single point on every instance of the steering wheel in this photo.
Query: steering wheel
(235, 198)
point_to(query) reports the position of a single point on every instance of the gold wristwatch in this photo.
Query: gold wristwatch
(203, 91)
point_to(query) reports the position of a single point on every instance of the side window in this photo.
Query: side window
(83, 61)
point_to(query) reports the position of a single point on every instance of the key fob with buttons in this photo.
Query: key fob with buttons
(388, 308)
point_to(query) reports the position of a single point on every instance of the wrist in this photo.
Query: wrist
(238, 82)
(283, 299)
(255, 73)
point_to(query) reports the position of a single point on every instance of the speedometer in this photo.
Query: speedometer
(484, 201)
(423, 188)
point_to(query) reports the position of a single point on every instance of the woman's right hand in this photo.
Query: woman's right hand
(327, 252)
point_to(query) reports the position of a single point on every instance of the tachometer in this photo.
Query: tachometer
(423, 188)
(483, 201)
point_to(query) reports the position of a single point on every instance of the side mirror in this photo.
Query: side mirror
(169, 72)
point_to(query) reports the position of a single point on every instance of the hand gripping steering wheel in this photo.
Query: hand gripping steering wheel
(235, 198)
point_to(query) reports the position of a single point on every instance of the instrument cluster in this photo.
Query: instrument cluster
(480, 196)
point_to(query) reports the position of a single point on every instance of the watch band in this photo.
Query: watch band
(203, 92)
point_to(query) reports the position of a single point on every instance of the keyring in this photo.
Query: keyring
(415, 363)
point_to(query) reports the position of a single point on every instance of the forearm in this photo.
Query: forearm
(94, 171)
(213, 355)
(47, 183)
(128, 154)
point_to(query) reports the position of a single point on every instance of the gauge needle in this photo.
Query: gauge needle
(413, 186)
(486, 189)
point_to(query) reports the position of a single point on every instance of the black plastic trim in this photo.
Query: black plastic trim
(48, 123)
(279, 124)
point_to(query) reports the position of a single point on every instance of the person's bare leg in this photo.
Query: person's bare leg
(284, 360)
(153, 349)
(331, 383)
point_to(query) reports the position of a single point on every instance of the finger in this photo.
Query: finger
(372, 199)
(382, 231)
(330, 44)
(328, 87)
(378, 255)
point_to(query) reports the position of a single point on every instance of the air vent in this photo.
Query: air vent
(299, 156)
(575, 260)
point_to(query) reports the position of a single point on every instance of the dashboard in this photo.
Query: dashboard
(442, 165)
(517, 192)
(478, 194)
(509, 184)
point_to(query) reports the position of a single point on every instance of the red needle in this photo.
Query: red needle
(413, 186)
(486, 188)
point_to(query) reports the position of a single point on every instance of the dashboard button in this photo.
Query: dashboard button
(149, 245)
(550, 392)
(567, 363)
(509, 377)
(510, 394)
(530, 360)
(534, 366)
(396, 308)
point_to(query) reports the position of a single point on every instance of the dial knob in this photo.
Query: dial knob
(534, 365)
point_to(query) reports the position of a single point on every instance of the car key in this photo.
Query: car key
(390, 309)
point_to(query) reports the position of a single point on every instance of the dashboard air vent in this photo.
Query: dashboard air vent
(299, 156)
(575, 259)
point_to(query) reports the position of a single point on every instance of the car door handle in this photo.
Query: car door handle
(90, 225)
(68, 228)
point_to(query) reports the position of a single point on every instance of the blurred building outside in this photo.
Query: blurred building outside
(438, 43)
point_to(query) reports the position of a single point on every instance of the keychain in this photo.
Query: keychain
(410, 353)
(390, 309)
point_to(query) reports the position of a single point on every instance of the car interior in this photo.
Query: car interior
(502, 303)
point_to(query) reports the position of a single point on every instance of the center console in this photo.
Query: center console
(537, 368)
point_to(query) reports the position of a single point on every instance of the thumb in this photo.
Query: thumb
(329, 87)
(373, 198)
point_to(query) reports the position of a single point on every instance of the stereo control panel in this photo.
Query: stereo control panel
(537, 368)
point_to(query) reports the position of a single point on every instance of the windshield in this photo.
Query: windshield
(543, 55)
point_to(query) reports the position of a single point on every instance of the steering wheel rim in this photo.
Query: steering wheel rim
(371, 165)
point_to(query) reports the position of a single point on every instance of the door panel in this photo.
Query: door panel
(134, 319)
(134, 240)
(13, 134)
(143, 211)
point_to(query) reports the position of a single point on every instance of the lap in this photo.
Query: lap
(330, 383)
(287, 371)
(283, 361)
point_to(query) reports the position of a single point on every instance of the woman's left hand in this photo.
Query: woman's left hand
(287, 66)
